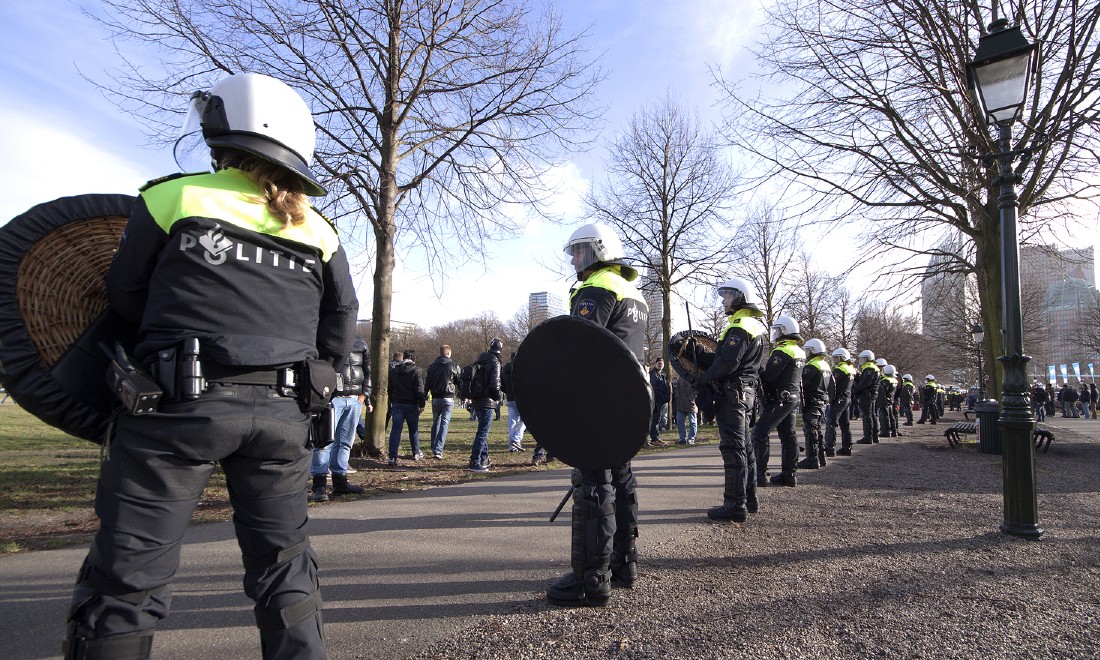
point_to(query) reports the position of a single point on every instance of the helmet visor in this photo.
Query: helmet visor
(729, 298)
(190, 151)
(581, 255)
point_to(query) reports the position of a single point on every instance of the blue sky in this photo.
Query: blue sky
(60, 136)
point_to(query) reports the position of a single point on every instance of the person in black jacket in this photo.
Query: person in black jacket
(515, 422)
(731, 376)
(407, 401)
(238, 289)
(817, 390)
(837, 412)
(352, 391)
(928, 394)
(605, 507)
(906, 392)
(486, 394)
(780, 381)
(442, 383)
(865, 390)
(661, 394)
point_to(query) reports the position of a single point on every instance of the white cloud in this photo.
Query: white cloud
(45, 160)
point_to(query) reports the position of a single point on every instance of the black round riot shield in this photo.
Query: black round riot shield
(582, 393)
(53, 310)
(682, 356)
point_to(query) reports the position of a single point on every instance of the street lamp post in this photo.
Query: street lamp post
(1000, 74)
(978, 334)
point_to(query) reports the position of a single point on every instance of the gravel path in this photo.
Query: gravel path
(892, 553)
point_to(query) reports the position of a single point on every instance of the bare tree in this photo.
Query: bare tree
(874, 121)
(764, 249)
(667, 193)
(433, 114)
(813, 299)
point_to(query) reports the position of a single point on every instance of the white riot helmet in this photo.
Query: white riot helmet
(880, 362)
(596, 243)
(930, 378)
(738, 293)
(814, 347)
(866, 356)
(784, 326)
(842, 354)
(262, 116)
(908, 377)
(889, 370)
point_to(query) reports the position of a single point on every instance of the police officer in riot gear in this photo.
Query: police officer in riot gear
(779, 381)
(203, 260)
(865, 390)
(929, 411)
(905, 395)
(731, 374)
(817, 387)
(887, 389)
(605, 506)
(839, 404)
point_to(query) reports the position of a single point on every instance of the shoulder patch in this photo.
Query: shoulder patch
(170, 177)
(586, 307)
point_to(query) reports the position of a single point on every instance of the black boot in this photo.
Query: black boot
(624, 567)
(589, 583)
(319, 494)
(340, 486)
(844, 451)
(734, 497)
(784, 479)
(821, 454)
(808, 463)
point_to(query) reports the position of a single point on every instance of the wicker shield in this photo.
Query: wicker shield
(582, 393)
(53, 310)
(682, 358)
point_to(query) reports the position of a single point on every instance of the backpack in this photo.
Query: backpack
(471, 383)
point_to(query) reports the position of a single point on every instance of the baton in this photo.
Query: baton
(691, 335)
(568, 494)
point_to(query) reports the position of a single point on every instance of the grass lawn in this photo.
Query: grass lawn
(48, 478)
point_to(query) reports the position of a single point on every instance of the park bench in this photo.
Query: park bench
(956, 431)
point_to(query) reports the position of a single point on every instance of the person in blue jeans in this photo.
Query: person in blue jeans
(407, 401)
(441, 380)
(486, 394)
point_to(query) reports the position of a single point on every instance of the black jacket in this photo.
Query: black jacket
(355, 374)
(407, 384)
(506, 382)
(442, 378)
(866, 384)
(817, 386)
(191, 265)
(490, 366)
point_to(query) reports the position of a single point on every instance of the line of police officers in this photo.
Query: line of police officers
(737, 372)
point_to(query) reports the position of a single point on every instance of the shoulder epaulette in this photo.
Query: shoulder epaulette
(170, 177)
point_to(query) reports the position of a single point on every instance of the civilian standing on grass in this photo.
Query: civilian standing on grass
(407, 401)
(442, 383)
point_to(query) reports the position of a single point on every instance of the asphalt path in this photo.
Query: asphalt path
(398, 572)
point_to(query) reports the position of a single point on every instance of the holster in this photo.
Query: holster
(322, 428)
(317, 385)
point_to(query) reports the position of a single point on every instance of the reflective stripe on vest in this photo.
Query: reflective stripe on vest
(230, 196)
(744, 319)
(846, 368)
(791, 348)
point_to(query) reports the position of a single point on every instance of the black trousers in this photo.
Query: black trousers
(838, 415)
(607, 501)
(776, 415)
(867, 414)
(738, 455)
(154, 473)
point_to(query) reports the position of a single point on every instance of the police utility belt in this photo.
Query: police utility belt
(182, 375)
